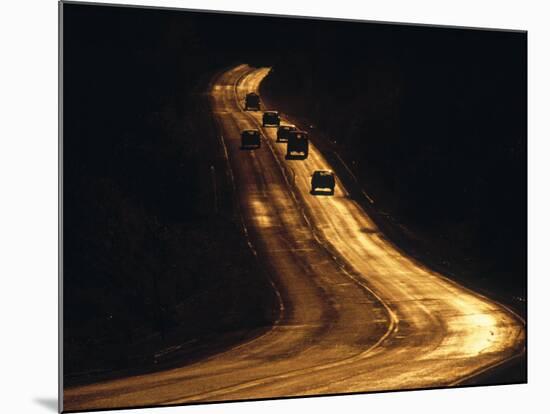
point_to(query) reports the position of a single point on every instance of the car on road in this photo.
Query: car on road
(297, 145)
(251, 138)
(324, 180)
(252, 102)
(271, 118)
(283, 131)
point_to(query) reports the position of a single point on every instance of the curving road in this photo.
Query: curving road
(355, 313)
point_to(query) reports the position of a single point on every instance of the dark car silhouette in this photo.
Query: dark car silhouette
(323, 179)
(271, 118)
(283, 131)
(297, 145)
(251, 138)
(252, 102)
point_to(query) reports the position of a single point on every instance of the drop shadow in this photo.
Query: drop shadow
(49, 403)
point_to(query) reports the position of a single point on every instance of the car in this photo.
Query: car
(252, 102)
(323, 179)
(282, 132)
(251, 138)
(271, 118)
(297, 145)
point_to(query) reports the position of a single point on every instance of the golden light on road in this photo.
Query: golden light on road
(357, 314)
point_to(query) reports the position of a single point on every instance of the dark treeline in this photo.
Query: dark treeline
(149, 260)
(434, 123)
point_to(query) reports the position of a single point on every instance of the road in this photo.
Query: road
(355, 314)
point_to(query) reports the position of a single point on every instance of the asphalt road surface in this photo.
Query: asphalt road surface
(355, 314)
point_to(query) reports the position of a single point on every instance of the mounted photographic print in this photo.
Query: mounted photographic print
(259, 207)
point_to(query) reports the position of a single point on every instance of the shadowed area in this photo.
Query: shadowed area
(356, 314)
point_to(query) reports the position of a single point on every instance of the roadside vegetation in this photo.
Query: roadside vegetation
(156, 268)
